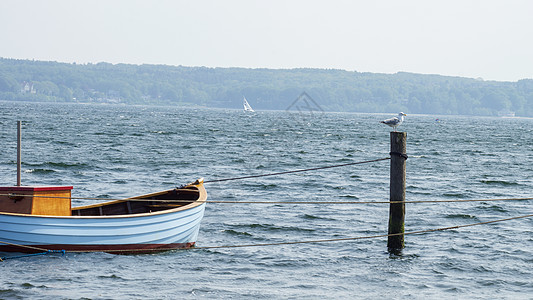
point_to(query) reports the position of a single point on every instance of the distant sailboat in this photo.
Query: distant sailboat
(247, 106)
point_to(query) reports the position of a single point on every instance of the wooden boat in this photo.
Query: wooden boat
(36, 218)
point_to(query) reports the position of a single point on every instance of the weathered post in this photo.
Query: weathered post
(19, 145)
(397, 190)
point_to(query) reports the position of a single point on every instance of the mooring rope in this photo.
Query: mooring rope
(206, 181)
(33, 254)
(277, 202)
(330, 240)
(44, 251)
(24, 246)
(285, 243)
(296, 171)
(367, 202)
(363, 237)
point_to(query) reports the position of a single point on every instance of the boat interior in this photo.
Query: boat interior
(143, 204)
(56, 201)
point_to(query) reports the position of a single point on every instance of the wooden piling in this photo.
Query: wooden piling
(397, 190)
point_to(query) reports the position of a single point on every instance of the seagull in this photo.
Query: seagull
(394, 122)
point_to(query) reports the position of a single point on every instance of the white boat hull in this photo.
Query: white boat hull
(139, 233)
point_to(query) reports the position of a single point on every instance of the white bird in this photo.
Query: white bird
(394, 122)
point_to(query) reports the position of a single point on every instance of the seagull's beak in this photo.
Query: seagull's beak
(404, 114)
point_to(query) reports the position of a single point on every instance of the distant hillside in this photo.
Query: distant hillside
(333, 90)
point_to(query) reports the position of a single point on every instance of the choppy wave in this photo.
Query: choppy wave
(499, 182)
(40, 171)
(58, 165)
(461, 216)
(275, 228)
(238, 233)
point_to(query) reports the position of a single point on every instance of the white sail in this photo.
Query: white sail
(247, 106)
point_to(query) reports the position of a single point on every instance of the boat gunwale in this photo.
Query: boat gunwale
(202, 199)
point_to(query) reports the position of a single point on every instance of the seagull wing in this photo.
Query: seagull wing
(391, 121)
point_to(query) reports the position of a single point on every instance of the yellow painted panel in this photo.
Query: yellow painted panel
(52, 203)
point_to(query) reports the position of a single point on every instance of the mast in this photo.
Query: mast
(19, 142)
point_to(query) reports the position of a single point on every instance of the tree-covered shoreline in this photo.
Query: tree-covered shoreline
(333, 90)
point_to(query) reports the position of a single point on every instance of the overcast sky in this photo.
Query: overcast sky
(485, 38)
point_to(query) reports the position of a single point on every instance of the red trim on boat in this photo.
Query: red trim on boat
(33, 188)
(114, 249)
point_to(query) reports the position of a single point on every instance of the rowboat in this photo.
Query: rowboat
(33, 219)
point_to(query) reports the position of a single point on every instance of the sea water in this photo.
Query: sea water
(107, 151)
